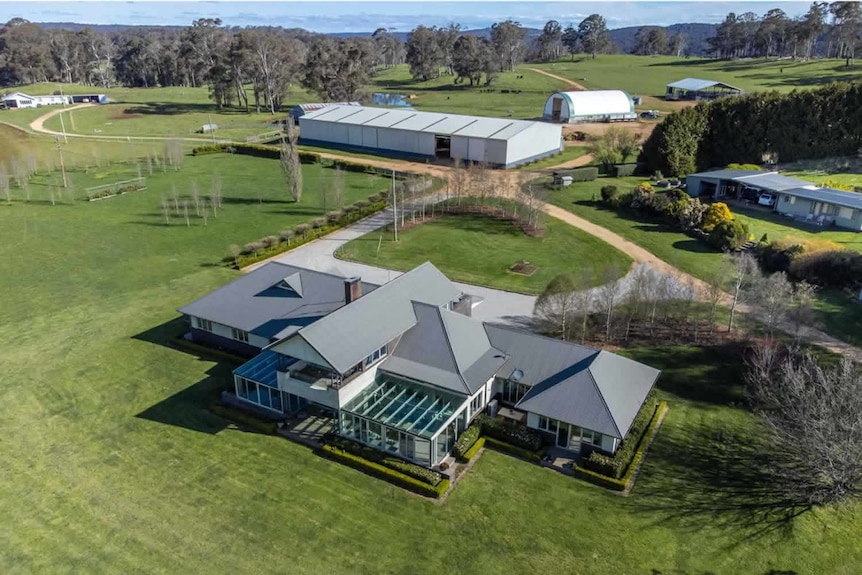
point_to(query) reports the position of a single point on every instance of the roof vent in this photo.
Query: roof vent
(517, 375)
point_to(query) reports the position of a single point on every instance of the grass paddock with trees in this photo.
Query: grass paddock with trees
(479, 250)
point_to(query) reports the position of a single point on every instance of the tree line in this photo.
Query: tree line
(828, 29)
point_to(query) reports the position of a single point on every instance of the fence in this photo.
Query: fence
(116, 188)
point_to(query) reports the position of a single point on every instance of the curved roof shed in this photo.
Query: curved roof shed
(589, 106)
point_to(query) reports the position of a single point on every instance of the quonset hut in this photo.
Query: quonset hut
(590, 106)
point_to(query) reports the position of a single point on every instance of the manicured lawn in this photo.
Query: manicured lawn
(567, 155)
(480, 250)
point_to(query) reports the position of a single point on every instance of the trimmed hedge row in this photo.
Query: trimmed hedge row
(614, 466)
(423, 474)
(583, 174)
(471, 453)
(466, 441)
(381, 472)
(510, 432)
(534, 456)
(622, 483)
(244, 419)
(622, 170)
(304, 233)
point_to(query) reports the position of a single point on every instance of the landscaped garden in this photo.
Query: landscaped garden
(477, 249)
(114, 463)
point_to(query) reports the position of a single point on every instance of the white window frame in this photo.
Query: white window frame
(375, 356)
(205, 324)
(239, 335)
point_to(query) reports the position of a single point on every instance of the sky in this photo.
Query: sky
(402, 16)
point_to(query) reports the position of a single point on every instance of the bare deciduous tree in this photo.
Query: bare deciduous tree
(801, 303)
(290, 163)
(813, 418)
(556, 305)
(174, 153)
(772, 294)
(743, 275)
(608, 295)
(166, 211)
(235, 251)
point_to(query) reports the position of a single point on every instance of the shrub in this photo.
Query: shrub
(466, 440)
(728, 235)
(621, 201)
(615, 466)
(754, 167)
(349, 209)
(382, 472)
(642, 197)
(690, 213)
(269, 241)
(362, 204)
(244, 419)
(716, 214)
(318, 223)
(583, 174)
(424, 474)
(609, 193)
(838, 269)
(623, 170)
(374, 198)
(210, 149)
(471, 453)
(510, 431)
(500, 445)
(286, 235)
(303, 229)
(333, 216)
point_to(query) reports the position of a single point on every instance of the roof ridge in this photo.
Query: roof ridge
(451, 350)
(540, 336)
(602, 395)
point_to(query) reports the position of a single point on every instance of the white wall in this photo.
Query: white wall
(323, 396)
(355, 386)
(538, 139)
(297, 347)
(227, 332)
(609, 443)
(532, 420)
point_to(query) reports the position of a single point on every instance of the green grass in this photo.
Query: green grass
(480, 250)
(840, 313)
(567, 155)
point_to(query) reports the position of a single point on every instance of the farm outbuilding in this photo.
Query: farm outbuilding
(300, 110)
(89, 98)
(498, 142)
(696, 89)
(590, 106)
(22, 100)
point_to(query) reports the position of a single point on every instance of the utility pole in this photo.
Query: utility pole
(63, 125)
(212, 128)
(62, 165)
(394, 207)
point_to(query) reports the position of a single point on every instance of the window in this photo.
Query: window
(514, 391)
(547, 424)
(378, 354)
(239, 335)
(785, 199)
(592, 437)
(846, 213)
(476, 404)
(205, 324)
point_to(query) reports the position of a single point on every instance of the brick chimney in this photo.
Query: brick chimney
(352, 289)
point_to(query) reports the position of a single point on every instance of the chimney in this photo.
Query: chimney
(352, 289)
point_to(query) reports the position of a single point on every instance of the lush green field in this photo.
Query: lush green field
(480, 250)
(567, 155)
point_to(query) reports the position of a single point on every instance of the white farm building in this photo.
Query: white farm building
(498, 142)
(589, 106)
(22, 100)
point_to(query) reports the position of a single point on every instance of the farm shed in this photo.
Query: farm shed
(302, 109)
(696, 89)
(497, 142)
(22, 100)
(89, 98)
(589, 106)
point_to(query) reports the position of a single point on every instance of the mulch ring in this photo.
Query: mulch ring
(523, 268)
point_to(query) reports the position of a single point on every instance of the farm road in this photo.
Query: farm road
(569, 84)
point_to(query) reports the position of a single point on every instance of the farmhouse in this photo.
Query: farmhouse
(822, 206)
(405, 368)
(696, 89)
(22, 100)
(589, 106)
(300, 110)
(497, 142)
(793, 197)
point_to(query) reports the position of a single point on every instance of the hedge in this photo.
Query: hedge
(466, 441)
(510, 432)
(423, 474)
(622, 483)
(583, 174)
(381, 472)
(471, 453)
(616, 465)
(244, 419)
(534, 456)
(621, 170)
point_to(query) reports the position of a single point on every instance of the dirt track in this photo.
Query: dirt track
(570, 84)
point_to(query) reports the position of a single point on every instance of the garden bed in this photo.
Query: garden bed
(523, 268)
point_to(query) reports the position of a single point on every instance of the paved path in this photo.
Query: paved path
(571, 85)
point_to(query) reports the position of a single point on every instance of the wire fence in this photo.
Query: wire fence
(116, 188)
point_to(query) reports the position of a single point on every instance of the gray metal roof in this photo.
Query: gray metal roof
(696, 85)
(260, 303)
(829, 195)
(428, 122)
(772, 181)
(593, 389)
(728, 174)
(445, 349)
(346, 336)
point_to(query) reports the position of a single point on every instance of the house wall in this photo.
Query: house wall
(357, 385)
(801, 207)
(226, 332)
(324, 396)
(221, 342)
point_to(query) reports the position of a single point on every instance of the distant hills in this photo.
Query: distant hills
(623, 38)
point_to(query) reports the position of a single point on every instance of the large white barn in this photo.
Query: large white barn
(498, 142)
(589, 106)
(22, 100)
